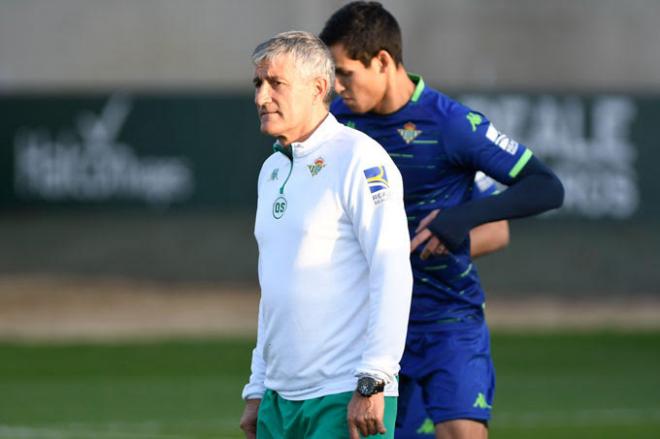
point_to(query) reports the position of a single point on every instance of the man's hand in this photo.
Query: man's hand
(249, 418)
(365, 415)
(422, 234)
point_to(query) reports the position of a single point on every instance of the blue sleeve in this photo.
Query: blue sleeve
(472, 142)
(535, 190)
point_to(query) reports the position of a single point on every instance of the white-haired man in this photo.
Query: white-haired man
(334, 264)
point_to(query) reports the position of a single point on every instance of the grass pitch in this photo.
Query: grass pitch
(604, 385)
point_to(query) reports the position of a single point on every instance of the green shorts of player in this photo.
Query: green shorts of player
(317, 418)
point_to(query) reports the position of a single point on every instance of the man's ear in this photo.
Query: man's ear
(384, 60)
(321, 87)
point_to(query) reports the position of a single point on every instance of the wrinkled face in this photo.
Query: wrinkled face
(284, 98)
(361, 88)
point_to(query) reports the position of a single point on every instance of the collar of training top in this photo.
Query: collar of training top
(419, 86)
(313, 142)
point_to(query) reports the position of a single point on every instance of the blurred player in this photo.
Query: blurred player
(439, 145)
(484, 239)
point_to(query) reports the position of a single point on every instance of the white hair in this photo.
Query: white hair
(309, 54)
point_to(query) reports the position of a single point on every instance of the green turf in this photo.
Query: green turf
(549, 386)
(577, 386)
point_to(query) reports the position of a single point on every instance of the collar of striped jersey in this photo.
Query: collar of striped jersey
(313, 142)
(419, 86)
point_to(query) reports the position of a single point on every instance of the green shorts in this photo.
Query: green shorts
(318, 418)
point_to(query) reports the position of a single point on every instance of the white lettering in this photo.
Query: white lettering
(94, 166)
(588, 143)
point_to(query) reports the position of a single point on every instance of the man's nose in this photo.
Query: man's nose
(338, 86)
(261, 95)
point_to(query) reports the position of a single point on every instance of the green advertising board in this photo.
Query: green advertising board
(180, 150)
(171, 151)
(187, 152)
(602, 146)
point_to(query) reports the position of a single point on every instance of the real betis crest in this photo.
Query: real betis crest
(315, 168)
(409, 132)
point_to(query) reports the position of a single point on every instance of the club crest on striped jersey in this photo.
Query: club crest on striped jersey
(379, 185)
(316, 167)
(409, 132)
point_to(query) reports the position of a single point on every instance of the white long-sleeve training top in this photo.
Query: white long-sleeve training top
(334, 267)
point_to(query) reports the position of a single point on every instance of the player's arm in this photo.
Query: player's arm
(249, 418)
(254, 390)
(472, 143)
(375, 206)
(489, 238)
(381, 227)
(534, 190)
(486, 238)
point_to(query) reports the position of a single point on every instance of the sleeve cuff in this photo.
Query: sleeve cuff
(253, 391)
(379, 375)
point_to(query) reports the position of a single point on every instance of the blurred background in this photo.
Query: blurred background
(129, 151)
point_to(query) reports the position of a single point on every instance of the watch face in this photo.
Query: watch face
(366, 386)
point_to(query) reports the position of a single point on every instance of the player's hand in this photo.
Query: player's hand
(422, 234)
(365, 415)
(249, 418)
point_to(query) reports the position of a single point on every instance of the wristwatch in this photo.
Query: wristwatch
(367, 386)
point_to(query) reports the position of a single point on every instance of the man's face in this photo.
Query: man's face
(361, 88)
(284, 99)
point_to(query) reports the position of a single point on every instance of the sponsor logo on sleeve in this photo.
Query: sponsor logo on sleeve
(379, 185)
(501, 140)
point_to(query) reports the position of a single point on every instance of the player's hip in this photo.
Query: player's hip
(445, 346)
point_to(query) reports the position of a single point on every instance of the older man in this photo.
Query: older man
(334, 262)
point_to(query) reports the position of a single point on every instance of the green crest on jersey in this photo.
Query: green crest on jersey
(316, 167)
(427, 427)
(350, 124)
(409, 132)
(273, 175)
(474, 120)
(481, 402)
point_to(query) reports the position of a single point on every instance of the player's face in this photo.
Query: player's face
(284, 99)
(361, 88)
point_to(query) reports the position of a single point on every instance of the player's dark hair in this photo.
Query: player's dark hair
(364, 29)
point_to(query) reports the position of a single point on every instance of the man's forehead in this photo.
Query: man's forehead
(340, 55)
(273, 66)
